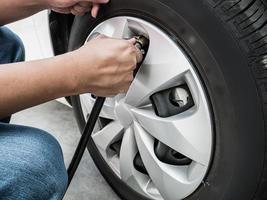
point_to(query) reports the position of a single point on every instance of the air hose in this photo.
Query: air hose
(89, 127)
(142, 44)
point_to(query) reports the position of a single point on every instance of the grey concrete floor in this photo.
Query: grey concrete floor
(58, 120)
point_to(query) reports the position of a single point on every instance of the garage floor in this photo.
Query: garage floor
(58, 120)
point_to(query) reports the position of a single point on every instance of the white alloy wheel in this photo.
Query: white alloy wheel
(135, 127)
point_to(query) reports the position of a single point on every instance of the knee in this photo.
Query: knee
(12, 47)
(45, 162)
(39, 166)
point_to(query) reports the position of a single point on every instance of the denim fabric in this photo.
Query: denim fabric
(31, 160)
(11, 47)
(11, 50)
(31, 164)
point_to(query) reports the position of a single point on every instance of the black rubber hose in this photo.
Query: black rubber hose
(89, 127)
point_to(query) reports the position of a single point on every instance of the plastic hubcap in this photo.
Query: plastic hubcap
(134, 143)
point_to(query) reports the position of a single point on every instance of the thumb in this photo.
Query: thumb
(132, 41)
(139, 55)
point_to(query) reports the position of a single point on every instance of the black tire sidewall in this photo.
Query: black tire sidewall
(239, 140)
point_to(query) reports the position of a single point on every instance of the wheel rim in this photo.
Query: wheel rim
(135, 126)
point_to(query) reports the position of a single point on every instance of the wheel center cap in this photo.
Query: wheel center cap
(123, 114)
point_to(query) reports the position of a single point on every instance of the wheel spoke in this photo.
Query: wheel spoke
(121, 27)
(164, 66)
(115, 28)
(128, 173)
(127, 154)
(187, 133)
(171, 181)
(108, 108)
(105, 137)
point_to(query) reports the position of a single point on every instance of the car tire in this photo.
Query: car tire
(227, 39)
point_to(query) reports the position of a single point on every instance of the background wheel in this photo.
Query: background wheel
(204, 74)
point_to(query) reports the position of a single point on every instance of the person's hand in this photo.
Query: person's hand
(104, 66)
(76, 7)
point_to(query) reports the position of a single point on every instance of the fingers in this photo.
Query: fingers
(95, 10)
(132, 41)
(62, 10)
(79, 7)
(97, 1)
(139, 55)
(83, 7)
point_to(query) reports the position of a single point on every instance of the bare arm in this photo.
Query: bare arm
(88, 69)
(13, 10)
(26, 84)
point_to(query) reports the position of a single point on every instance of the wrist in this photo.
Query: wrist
(78, 75)
(70, 70)
(62, 74)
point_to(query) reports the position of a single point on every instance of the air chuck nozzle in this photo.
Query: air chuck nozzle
(142, 43)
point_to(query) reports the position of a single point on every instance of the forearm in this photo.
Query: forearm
(27, 84)
(12, 10)
(93, 68)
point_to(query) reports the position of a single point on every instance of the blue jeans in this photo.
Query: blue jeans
(11, 50)
(31, 160)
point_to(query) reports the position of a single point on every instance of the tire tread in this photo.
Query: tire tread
(248, 22)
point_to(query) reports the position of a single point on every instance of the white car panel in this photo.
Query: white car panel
(35, 34)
